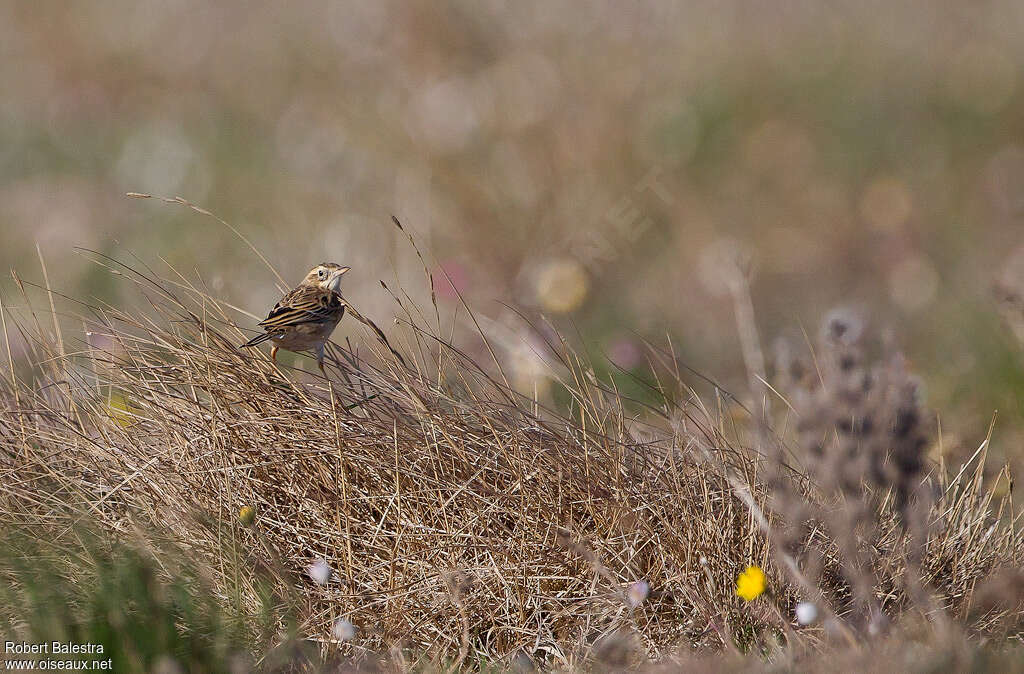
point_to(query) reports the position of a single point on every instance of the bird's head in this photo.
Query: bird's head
(327, 275)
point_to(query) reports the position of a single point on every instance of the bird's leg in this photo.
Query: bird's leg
(273, 354)
(320, 360)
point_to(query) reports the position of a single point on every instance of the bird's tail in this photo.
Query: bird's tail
(258, 339)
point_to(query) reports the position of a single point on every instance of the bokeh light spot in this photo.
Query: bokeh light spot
(982, 77)
(562, 285)
(913, 283)
(446, 114)
(780, 149)
(886, 203)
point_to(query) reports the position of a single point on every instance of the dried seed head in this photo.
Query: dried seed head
(806, 613)
(842, 326)
(319, 571)
(343, 630)
(637, 593)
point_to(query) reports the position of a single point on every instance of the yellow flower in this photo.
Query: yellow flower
(751, 583)
(247, 516)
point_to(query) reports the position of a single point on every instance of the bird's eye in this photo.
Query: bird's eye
(322, 274)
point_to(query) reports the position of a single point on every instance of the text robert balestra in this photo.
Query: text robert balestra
(52, 648)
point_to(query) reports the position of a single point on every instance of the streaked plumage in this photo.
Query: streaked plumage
(306, 316)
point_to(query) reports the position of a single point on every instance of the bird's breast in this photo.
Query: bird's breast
(305, 336)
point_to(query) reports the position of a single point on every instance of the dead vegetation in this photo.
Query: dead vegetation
(462, 522)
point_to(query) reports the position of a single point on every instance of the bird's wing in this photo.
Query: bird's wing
(305, 304)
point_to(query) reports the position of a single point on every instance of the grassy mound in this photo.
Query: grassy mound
(417, 509)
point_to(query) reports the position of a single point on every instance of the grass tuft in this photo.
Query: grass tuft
(462, 524)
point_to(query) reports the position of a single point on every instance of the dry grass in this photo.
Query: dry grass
(463, 522)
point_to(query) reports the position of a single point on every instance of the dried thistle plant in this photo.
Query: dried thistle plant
(861, 435)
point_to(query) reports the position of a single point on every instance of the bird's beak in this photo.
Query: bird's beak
(335, 281)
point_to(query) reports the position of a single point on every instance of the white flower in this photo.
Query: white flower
(320, 572)
(343, 630)
(806, 613)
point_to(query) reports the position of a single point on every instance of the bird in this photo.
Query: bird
(306, 316)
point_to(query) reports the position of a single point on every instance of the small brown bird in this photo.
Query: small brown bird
(305, 317)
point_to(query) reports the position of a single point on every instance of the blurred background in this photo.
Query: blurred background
(592, 162)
